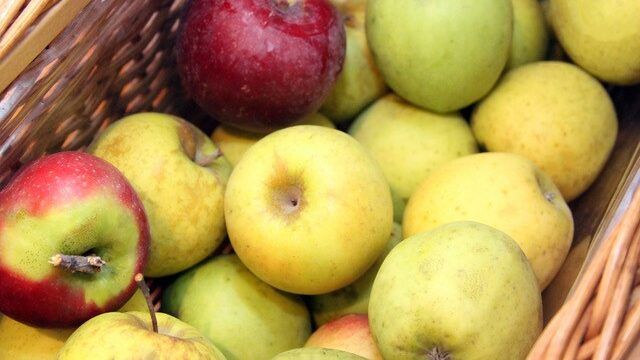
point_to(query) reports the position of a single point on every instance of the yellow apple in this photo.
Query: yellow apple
(360, 81)
(530, 37)
(180, 178)
(23, 342)
(234, 142)
(308, 210)
(505, 191)
(603, 37)
(409, 142)
(556, 115)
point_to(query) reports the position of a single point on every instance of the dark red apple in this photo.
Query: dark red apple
(260, 65)
(73, 234)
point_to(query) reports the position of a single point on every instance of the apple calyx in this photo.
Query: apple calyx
(206, 160)
(438, 354)
(139, 279)
(90, 264)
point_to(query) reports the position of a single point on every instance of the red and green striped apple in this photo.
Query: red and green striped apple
(73, 234)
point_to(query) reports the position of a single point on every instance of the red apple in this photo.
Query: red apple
(73, 234)
(260, 65)
(349, 333)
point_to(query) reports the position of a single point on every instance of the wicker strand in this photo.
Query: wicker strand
(10, 10)
(619, 301)
(574, 343)
(26, 18)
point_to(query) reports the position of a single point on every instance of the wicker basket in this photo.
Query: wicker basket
(116, 58)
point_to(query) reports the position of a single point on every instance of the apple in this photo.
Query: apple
(530, 35)
(556, 115)
(180, 177)
(354, 298)
(409, 142)
(463, 290)
(317, 354)
(441, 55)
(349, 333)
(243, 316)
(602, 37)
(234, 142)
(260, 65)
(308, 210)
(73, 233)
(360, 82)
(20, 341)
(505, 191)
(117, 335)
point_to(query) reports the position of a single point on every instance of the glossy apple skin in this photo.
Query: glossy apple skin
(56, 184)
(260, 65)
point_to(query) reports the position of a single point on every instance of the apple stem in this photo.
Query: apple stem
(206, 160)
(438, 354)
(139, 278)
(77, 263)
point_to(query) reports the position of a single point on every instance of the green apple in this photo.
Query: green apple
(243, 316)
(349, 333)
(463, 290)
(602, 37)
(441, 55)
(116, 335)
(311, 353)
(354, 298)
(308, 210)
(556, 115)
(234, 142)
(360, 81)
(409, 142)
(19, 341)
(506, 191)
(180, 177)
(530, 37)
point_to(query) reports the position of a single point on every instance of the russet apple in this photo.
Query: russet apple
(260, 65)
(129, 335)
(505, 191)
(180, 177)
(602, 37)
(463, 290)
(308, 210)
(317, 354)
(243, 316)
(354, 298)
(409, 142)
(349, 333)
(20, 341)
(556, 115)
(360, 81)
(234, 142)
(73, 233)
(530, 35)
(440, 55)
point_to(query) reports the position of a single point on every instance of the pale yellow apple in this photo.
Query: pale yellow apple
(463, 290)
(180, 178)
(409, 142)
(234, 142)
(556, 115)
(530, 37)
(360, 81)
(23, 342)
(308, 210)
(505, 191)
(602, 36)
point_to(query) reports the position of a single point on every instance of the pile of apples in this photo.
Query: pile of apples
(392, 177)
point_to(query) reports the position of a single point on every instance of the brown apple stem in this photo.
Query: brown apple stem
(139, 278)
(206, 160)
(77, 263)
(438, 354)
